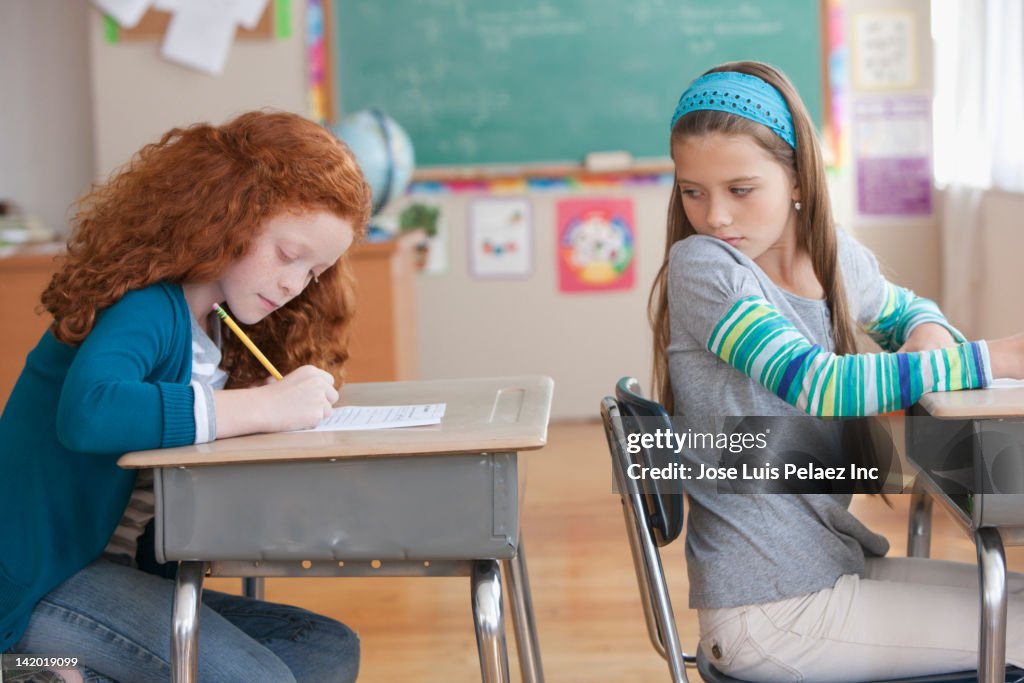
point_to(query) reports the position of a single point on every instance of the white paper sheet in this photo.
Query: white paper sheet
(1006, 384)
(350, 418)
(248, 12)
(200, 34)
(126, 13)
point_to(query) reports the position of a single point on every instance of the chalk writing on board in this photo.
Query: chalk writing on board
(551, 80)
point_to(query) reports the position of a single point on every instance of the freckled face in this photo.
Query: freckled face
(292, 250)
(735, 191)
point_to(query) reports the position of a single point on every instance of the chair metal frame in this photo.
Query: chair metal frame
(637, 513)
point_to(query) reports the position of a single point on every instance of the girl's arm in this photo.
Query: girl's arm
(117, 395)
(894, 317)
(1007, 357)
(903, 316)
(756, 339)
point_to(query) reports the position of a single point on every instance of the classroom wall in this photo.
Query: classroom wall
(1001, 242)
(46, 150)
(465, 326)
(137, 95)
(585, 341)
(907, 247)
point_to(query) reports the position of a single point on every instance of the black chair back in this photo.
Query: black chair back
(663, 500)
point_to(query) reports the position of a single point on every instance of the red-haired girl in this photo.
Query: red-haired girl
(254, 215)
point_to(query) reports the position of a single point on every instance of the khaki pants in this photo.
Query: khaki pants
(906, 616)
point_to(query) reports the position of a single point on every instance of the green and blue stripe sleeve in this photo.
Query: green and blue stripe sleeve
(757, 340)
(901, 312)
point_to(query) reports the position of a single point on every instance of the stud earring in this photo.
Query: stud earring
(796, 205)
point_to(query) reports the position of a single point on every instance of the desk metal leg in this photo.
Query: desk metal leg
(489, 621)
(919, 527)
(522, 616)
(252, 587)
(992, 641)
(188, 591)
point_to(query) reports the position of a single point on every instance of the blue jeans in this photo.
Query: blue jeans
(117, 621)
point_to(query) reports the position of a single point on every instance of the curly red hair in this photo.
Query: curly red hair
(186, 207)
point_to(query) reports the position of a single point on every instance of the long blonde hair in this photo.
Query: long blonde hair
(815, 228)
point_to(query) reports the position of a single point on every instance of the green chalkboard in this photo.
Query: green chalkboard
(483, 82)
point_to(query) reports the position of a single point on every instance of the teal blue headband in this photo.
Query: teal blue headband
(741, 94)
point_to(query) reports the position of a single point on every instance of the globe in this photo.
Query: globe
(383, 150)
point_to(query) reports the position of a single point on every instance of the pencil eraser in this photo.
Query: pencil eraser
(602, 162)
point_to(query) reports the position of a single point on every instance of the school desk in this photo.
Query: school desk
(424, 501)
(969, 446)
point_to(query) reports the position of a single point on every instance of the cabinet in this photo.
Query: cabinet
(383, 344)
(23, 277)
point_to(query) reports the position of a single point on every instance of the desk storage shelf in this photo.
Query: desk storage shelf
(413, 508)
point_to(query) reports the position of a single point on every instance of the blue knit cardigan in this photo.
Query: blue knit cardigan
(73, 412)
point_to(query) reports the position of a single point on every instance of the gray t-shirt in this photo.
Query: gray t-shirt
(745, 549)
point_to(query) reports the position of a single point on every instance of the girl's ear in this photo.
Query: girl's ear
(795, 196)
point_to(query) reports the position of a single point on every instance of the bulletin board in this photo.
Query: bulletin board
(479, 83)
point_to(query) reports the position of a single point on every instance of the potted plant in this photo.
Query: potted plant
(420, 217)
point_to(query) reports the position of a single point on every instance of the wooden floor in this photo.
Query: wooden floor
(585, 598)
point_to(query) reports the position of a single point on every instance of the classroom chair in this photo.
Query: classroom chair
(654, 518)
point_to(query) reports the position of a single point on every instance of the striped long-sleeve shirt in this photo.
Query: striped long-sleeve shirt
(742, 346)
(756, 339)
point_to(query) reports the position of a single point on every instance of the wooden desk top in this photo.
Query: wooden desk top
(483, 415)
(1004, 398)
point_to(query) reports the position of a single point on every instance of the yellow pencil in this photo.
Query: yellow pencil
(245, 340)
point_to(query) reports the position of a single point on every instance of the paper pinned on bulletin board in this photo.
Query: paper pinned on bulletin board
(596, 239)
(892, 139)
(500, 237)
(201, 31)
(248, 12)
(126, 13)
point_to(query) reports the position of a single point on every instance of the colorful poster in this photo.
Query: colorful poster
(835, 135)
(318, 90)
(892, 149)
(500, 237)
(596, 241)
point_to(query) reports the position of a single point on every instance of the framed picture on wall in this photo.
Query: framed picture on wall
(500, 237)
(596, 240)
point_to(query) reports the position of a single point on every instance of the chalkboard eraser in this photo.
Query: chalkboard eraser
(603, 162)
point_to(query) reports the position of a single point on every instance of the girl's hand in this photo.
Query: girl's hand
(926, 337)
(301, 399)
(1007, 356)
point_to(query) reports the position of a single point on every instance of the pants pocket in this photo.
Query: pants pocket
(725, 636)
